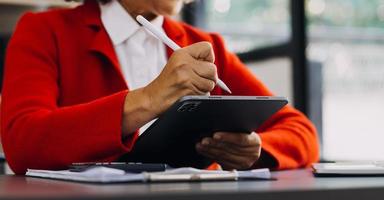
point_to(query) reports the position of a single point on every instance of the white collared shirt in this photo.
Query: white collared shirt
(141, 55)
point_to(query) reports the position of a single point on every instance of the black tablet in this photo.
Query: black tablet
(171, 139)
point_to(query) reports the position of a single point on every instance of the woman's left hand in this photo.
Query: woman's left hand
(231, 150)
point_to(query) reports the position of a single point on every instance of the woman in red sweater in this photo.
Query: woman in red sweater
(81, 84)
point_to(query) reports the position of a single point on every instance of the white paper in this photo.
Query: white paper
(192, 174)
(263, 173)
(96, 174)
(109, 175)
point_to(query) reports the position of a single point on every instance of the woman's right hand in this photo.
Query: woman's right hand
(189, 71)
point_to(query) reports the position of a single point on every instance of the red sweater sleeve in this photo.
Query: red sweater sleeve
(36, 132)
(289, 139)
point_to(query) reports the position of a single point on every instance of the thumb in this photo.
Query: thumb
(201, 51)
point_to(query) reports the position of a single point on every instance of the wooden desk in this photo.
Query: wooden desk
(297, 185)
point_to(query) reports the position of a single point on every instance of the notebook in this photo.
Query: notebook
(349, 169)
(110, 175)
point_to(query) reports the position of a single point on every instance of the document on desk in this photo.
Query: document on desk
(109, 175)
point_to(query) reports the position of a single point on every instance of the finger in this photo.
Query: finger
(237, 150)
(222, 156)
(206, 70)
(232, 148)
(201, 51)
(251, 153)
(190, 83)
(225, 164)
(239, 139)
(202, 84)
(195, 90)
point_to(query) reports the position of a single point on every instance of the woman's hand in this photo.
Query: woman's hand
(189, 71)
(231, 150)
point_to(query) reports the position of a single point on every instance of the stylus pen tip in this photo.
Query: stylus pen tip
(223, 86)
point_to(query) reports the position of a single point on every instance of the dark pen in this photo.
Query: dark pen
(127, 167)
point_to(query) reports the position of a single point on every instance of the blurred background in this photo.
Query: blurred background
(345, 38)
(326, 56)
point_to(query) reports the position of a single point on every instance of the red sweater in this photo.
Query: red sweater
(63, 95)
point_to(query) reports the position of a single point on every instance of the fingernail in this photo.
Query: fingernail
(217, 136)
(205, 141)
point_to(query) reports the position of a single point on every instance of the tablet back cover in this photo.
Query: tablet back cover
(172, 138)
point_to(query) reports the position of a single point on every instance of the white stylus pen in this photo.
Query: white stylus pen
(170, 43)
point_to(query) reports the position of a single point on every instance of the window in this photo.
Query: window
(249, 25)
(347, 38)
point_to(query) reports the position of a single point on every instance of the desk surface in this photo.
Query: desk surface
(296, 184)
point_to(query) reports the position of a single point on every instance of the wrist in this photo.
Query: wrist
(149, 102)
(137, 111)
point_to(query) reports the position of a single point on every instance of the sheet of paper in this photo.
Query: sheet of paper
(109, 175)
(192, 174)
(263, 173)
(97, 174)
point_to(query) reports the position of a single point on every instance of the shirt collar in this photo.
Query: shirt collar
(120, 25)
